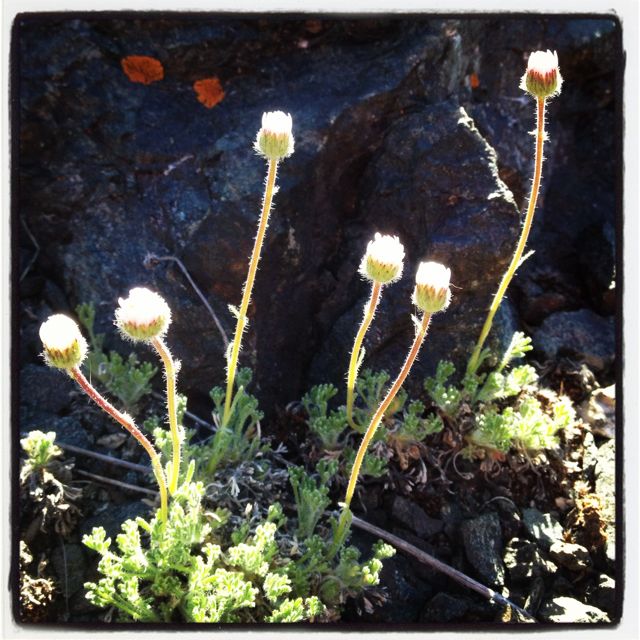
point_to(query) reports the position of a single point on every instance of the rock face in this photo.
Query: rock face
(482, 538)
(396, 122)
(566, 610)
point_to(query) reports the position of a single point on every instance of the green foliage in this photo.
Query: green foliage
(446, 397)
(240, 439)
(127, 379)
(414, 427)
(327, 426)
(350, 576)
(186, 570)
(311, 495)
(372, 465)
(41, 451)
(525, 426)
(370, 390)
(504, 403)
(45, 478)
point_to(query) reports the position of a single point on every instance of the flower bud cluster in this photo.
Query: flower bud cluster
(144, 315)
(275, 140)
(432, 292)
(382, 263)
(542, 78)
(64, 345)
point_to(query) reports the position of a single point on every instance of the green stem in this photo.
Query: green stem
(375, 421)
(474, 361)
(248, 287)
(369, 312)
(129, 425)
(170, 375)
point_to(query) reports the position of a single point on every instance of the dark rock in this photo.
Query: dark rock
(111, 519)
(597, 262)
(482, 540)
(444, 607)
(68, 561)
(604, 594)
(524, 562)
(411, 515)
(534, 596)
(582, 335)
(544, 292)
(565, 609)
(423, 570)
(45, 388)
(571, 556)
(384, 117)
(69, 430)
(542, 527)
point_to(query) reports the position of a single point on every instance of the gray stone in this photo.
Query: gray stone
(582, 335)
(524, 561)
(111, 519)
(45, 389)
(604, 595)
(589, 455)
(69, 430)
(68, 561)
(542, 527)
(482, 538)
(412, 516)
(605, 475)
(599, 412)
(565, 610)
(444, 607)
(571, 556)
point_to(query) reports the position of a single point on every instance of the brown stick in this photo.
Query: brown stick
(117, 483)
(438, 565)
(101, 456)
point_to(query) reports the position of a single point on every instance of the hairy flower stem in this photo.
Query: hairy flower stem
(170, 375)
(248, 287)
(129, 425)
(369, 312)
(474, 361)
(345, 516)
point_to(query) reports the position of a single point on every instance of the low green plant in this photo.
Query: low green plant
(239, 438)
(127, 379)
(311, 494)
(41, 451)
(199, 568)
(45, 477)
(506, 411)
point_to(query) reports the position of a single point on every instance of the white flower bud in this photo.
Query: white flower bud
(542, 78)
(382, 263)
(64, 345)
(275, 140)
(432, 293)
(144, 315)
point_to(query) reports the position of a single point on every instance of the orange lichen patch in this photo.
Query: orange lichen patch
(474, 80)
(143, 69)
(209, 91)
